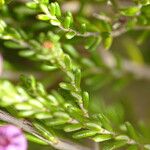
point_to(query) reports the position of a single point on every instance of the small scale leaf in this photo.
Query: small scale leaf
(84, 134)
(35, 139)
(26, 53)
(32, 5)
(26, 113)
(70, 35)
(43, 115)
(23, 106)
(113, 145)
(72, 127)
(93, 126)
(43, 17)
(45, 132)
(56, 122)
(122, 137)
(102, 137)
(67, 22)
(58, 11)
(48, 67)
(67, 61)
(55, 22)
(35, 103)
(66, 86)
(78, 77)
(131, 131)
(105, 122)
(52, 99)
(108, 41)
(52, 9)
(85, 98)
(12, 45)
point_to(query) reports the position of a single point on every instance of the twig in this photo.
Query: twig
(27, 126)
(139, 71)
(123, 30)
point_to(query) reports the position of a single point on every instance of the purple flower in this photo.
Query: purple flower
(1, 63)
(12, 138)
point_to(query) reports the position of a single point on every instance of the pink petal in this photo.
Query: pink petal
(12, 138)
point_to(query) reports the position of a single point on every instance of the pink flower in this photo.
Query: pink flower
(12, 138)
(1, 63)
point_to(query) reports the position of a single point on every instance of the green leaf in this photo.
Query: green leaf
(22, 106)
(52, 99)
(35, 103)
(32, 5)
(11, 44)
(84, 134)
(93, 126)
(55, 22)
(26, 113)
(67, 61)
(102, 137)
(70, 15)
(59, 98)
(75, 112)
(58, 11)
(131, 131)
(78, 77)
(26, 53)
(44, 1)
(105, 122)
(35, 139)
(70, 35)
(131, 11)
(48, 67)
(43, 115)
(77, 96)
(52, 9)
(48, 135)
(72, 127)
(67, 86)
(43, 17)
(112, 145)
(122, 137)
(85, 98)
(56, 122)
(71, 50)
(108, 41)
(67, 22)
(40, 89)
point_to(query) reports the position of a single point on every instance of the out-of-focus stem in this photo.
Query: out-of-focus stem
(27, 126)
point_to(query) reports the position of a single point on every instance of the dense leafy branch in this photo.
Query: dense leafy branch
(54, 106)
(66, 108)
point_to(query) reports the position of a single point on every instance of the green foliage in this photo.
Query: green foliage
(66, 45)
